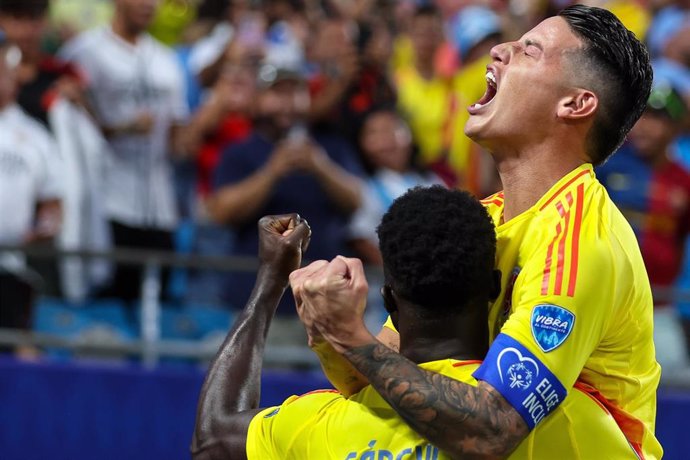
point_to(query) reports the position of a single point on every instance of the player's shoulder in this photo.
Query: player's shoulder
(300, 407)
(580, 208)
(494, 206)
(566, 200)
(579, 225)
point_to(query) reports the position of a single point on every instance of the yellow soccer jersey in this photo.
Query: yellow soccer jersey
(469, 86)
(427, 125)
(323, 425)
(576, 305)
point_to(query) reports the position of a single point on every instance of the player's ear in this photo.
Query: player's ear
(578, 105)
(495, 285)
(389, 302)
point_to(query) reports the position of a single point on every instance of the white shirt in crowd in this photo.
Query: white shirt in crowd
(124, 81)
(30, 172)
(380, 191)
(207, 50)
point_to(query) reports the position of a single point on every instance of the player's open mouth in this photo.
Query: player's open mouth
(491, 87)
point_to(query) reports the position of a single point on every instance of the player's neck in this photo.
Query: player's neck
(460, 338)
(528, 176)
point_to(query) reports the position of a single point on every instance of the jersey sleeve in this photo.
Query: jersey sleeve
(561, 309)
(272, 431)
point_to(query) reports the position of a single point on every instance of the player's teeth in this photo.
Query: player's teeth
(491, 77)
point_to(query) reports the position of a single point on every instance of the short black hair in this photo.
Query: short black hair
(24, 8)
(438, 247)
(615, 65)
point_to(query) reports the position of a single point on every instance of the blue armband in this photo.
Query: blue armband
(524, 381)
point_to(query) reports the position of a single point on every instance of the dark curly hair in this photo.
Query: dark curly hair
(438, 247)
(615, 65)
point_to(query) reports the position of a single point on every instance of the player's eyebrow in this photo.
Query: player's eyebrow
(529, 41)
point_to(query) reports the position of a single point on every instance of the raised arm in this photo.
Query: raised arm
(464, 421)
(230, 395)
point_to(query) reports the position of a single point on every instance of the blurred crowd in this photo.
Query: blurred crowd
(175, 124)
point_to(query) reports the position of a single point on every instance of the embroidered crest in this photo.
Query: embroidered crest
(551, 325)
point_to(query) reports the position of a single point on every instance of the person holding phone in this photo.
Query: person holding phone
(282, 168)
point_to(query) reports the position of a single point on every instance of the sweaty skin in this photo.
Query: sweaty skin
(230, 395)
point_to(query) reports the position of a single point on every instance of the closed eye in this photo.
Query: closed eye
(532, 48)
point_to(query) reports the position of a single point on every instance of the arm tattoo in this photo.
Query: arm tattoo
(463, 420)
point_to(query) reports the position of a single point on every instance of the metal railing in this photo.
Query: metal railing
(150, 347)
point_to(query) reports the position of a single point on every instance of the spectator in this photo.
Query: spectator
(676, 59)
(280, 168)
(352, 75)
(276, 31)
(137, 96)
(675, 66)
(425, 96)
(41, 77)
(208, 54)
(670, 19)
(653, 192)
(287, 31)
(30, 191)
(222, 121)
(224, 118)
(475, 31)
(385, 144)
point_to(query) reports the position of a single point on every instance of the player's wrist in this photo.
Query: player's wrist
(349, 338)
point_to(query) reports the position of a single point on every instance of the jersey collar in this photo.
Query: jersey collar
(584, 172)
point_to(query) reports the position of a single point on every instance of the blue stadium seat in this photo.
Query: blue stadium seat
(63, 319)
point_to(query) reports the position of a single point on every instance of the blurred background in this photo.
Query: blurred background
(141, 140)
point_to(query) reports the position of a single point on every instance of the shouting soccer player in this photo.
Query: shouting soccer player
(575, 308)
(438, 249)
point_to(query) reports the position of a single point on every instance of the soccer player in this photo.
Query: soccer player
(439, 250)
(575, 304)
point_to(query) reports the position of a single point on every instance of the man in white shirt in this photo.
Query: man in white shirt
(30, 191)
(136, 90)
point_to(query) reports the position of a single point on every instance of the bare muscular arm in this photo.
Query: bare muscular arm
(231, 391)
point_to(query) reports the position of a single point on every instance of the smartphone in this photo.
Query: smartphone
(251, 31)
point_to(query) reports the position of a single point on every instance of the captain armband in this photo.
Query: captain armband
(524, 381)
